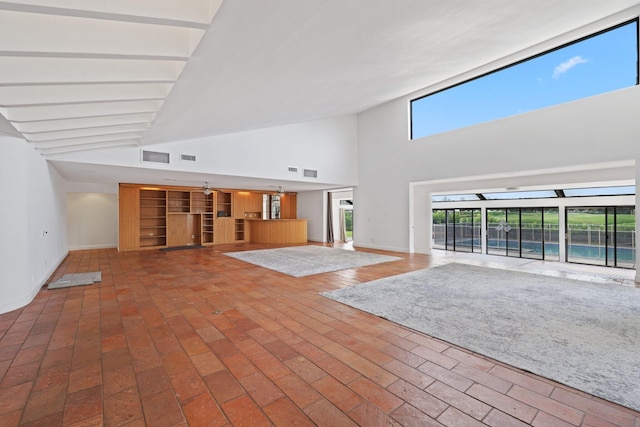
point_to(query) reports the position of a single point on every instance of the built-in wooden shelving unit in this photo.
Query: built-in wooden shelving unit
(166, 216)
(153, 218)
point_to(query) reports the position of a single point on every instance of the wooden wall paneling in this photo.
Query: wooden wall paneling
(239, 204)
(253, 205)
(128, 218)
(288, 206)
(293, 206)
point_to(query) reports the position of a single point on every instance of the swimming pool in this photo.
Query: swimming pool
(584, 253)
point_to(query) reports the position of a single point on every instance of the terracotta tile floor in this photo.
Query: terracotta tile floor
(197, 338)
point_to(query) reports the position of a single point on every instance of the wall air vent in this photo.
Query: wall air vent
(292, 169)
(310, 173)
(155, 157)
(188, 157)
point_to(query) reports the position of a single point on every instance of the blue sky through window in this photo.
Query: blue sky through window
(599, 64)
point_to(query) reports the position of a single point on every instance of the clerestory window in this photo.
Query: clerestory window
(599, 63)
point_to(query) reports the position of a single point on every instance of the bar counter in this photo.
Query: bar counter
(277, 231)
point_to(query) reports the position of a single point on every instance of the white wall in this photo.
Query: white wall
(312, 205)
(32, 223)
(92, 220)
(599, 129)
(328, 146)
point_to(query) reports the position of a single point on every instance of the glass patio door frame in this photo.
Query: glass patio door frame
(507, 226)
(610, 238)
(451, 231)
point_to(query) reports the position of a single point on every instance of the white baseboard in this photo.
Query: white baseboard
(20, 302)
(89, 247)
(381, 247)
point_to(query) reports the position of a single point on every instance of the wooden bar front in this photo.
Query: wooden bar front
(278, 231)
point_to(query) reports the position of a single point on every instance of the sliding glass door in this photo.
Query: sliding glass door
(625, 237)
(523, 232)
(457, 230)
(532, 242)
(601, 236)
(498, 229)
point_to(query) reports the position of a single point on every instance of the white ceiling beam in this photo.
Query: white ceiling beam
(92, 73)
(31, 95)
(189, 11)
(83, 122)
(39, 33)
(89, 140)
(24, 70)
(79, 110)
(85, 147)
(78, 133)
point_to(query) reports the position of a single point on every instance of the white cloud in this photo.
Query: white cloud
(567, 65)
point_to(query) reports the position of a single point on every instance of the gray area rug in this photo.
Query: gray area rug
(584, 335)
(299, 261)
(76, 279)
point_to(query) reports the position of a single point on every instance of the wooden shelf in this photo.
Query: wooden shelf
(223, 204)
(239, 230)
(153, 216)
(207, 228)
(179, 201)
(201, 203)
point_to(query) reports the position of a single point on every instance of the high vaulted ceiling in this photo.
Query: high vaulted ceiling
(90, 74)
(85, 74)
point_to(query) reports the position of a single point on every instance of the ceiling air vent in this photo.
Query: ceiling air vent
(188, 157)
(155, 157)
(310, 173)
(292, 169)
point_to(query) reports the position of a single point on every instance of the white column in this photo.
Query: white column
(483, 229)
(562, 233)
(420, 219)
(637, 279)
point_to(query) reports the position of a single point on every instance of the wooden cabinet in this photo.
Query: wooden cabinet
(279, 231)
(247, 204)
(254, 205)
(158, 217)
(224, 230)
(184, 229)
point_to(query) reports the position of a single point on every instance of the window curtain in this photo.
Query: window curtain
(343, 226)
(329, 217)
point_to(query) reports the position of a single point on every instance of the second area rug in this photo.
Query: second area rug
(580, 334)
(299, 261)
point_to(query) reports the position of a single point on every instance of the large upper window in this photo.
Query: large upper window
(600, 63)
